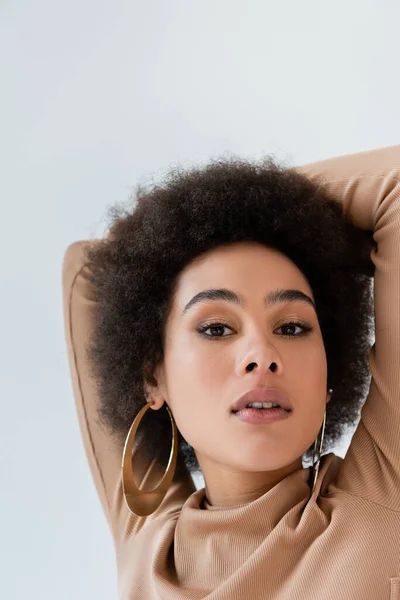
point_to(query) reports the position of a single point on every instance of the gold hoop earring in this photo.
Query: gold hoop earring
(139, 502)
(316, 464)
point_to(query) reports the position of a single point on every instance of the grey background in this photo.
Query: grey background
(96, 97)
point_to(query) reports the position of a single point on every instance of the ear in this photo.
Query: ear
(154, 388)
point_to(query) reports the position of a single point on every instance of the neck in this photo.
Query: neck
(226, 486)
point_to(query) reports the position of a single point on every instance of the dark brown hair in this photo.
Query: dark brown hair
(229, 200)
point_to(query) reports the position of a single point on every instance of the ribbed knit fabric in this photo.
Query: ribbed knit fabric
(343, 542)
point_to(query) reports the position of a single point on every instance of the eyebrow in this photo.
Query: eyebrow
(278, 296)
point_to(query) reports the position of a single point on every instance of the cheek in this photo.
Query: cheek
(310, 356)
(196, 381)
(190, 359)
(316, 363)
(305, 371)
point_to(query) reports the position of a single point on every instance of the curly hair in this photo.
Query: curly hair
(134, 271)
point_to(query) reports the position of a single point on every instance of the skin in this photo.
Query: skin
(201, 377)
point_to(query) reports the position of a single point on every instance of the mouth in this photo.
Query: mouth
(257, 416)
(262, 400)
(261, 409)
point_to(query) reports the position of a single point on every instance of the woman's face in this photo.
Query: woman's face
(204, 373)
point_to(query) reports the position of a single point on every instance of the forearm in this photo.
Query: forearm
(365, 183)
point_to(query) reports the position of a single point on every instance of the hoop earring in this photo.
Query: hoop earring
(316, 464)
(140, 502)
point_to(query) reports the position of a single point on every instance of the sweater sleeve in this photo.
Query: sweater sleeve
(367, 185)
(104, 456)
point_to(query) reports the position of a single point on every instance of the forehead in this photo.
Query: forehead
(241, 266)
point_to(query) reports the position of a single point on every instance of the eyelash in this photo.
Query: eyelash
(201, 330)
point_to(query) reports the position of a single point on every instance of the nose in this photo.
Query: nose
(253, 365)
(261, 356)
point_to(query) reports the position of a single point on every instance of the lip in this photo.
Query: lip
(262, 394)
(258, 417)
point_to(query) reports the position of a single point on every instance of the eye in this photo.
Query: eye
(218, 326)
(213, 326)
(292, 325)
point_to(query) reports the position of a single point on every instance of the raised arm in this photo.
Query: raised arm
(104, 455)
(367, 184)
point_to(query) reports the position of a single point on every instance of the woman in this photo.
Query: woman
(221, 286)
